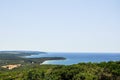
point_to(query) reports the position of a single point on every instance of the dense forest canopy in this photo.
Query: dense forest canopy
(82, 71)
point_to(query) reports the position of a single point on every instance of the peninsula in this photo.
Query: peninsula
(8, 58)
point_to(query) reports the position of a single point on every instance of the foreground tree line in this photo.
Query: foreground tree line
(82, 71)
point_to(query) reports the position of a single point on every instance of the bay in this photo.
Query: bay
(74, 58)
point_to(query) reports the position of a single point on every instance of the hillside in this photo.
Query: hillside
(81, 71)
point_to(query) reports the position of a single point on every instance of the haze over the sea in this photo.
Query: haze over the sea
(60, 25)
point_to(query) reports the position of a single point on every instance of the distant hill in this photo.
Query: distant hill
(18, 57)
(12, 55)
(18, 52)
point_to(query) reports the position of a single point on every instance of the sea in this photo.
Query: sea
(74, 58)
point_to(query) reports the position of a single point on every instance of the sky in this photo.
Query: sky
(60, 25)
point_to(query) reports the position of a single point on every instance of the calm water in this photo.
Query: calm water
(73, 58)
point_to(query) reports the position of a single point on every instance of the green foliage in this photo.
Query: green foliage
(82, 71)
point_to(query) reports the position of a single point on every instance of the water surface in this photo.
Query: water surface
(74, 58)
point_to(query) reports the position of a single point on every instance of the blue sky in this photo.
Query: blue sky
(60, 25)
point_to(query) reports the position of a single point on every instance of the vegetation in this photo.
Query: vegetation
(82, 71)
(18, 57)
(30, 68)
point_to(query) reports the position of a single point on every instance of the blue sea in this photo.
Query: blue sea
(74, 58)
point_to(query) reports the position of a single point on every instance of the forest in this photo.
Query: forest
(81, 71)
(19, 57)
